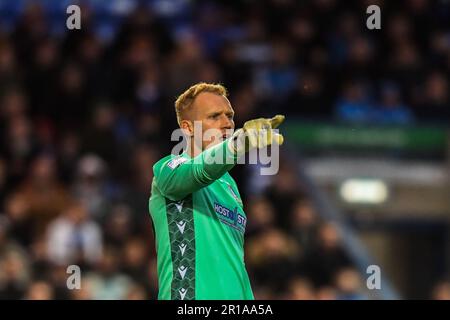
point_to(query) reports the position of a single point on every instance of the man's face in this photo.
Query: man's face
(216, 116)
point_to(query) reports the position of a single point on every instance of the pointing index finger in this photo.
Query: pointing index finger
(276, 121)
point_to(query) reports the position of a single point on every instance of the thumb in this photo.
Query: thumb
(276, 121)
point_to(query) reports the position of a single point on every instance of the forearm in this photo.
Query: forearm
(192, 174)
(215, 161)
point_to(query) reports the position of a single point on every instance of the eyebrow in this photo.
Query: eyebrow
(219, 112)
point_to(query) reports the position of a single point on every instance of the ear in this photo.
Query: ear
(188, 127)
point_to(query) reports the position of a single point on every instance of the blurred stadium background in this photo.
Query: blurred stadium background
(364, 177)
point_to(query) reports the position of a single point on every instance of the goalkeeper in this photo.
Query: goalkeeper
(195, 206)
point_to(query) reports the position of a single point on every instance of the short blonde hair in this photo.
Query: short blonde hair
(186, 99)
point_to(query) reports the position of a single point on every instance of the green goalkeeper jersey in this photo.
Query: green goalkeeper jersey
(199, 224)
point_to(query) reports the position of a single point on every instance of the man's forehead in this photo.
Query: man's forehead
(211, 99)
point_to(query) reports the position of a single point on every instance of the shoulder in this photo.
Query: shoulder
(170, 162)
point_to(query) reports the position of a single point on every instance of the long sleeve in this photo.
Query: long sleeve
(179, 176)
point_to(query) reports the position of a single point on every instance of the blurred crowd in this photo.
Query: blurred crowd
(83, 118)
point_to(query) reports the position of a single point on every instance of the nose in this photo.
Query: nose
(227, 123)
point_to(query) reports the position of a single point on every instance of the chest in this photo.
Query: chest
(222, 202)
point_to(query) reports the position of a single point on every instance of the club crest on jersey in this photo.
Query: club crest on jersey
(230, 188)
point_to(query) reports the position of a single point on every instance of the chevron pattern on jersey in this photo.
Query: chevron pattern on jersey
(180, 216)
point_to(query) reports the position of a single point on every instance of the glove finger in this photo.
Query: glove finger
(264, 138)
(239, 142)
(268, 137)
(277, 138)
(252, 136)
(276, 121)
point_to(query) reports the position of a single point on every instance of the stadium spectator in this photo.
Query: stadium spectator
(304, 223)
(46, 197)
(74, 238)
(326, 256)
(15, 272)
(39, 290)
(355, 106)
(90, 186)
(441, 291)
(261, 215)
(391, 110)
(107, 283)
(349, 285)
(435, 98)
(301, 289)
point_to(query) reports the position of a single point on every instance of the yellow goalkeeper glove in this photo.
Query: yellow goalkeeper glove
(257, 134)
